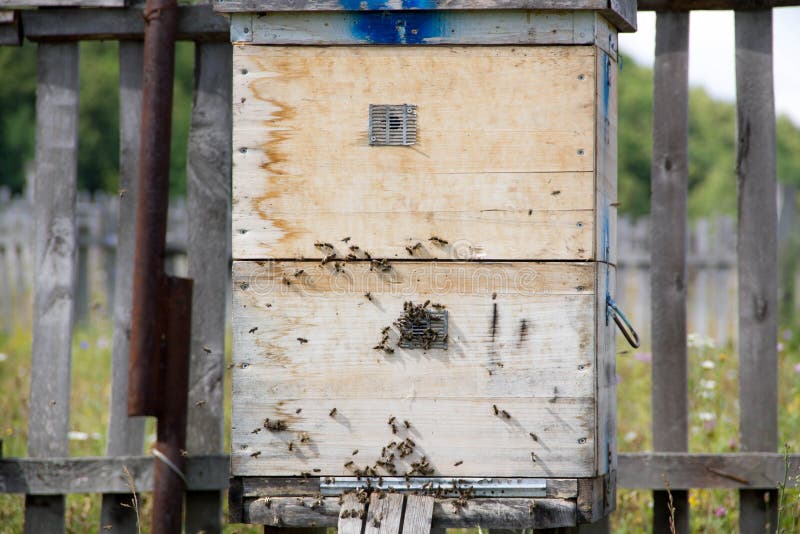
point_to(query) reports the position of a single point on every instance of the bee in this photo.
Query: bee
(286, 281)
(305, 474)
(256, 454)
(200, 403)
(368, 296)
(533, 457)
(355, 451)
(338, 267)
(349, 464)
(321, 245)
(327, 258)
(438, 306)
(505, 414)
(304, 438)
(299, 272)
(437, 240)
(534, 437)
(388, 350)
(375, 522)
(458, 463)
(302, 340)
(317, 470)
(291, 446)
(354, 248)
(496, 410)
(298, 410)
(391, 420)
(556, 193)
(406, 423)
(412, 444)
(206, 350)
(367, 255)
(394, 428)
(255, 430)
(253, 330)
(346, 239)
(332, 413)
(351, 257)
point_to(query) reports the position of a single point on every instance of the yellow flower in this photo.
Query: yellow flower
(693, 499)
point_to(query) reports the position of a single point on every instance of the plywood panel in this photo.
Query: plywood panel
(517, 330)
(446, 431)
(504, 162)
(521, 337)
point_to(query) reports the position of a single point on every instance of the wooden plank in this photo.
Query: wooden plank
(606, 372)
(687, 5)
(195, 23)
(384, 513)
(751, 470)
(488, 513)
(451, 28)
(7, 17)
(621, 12)
(497, 322)
(54, 268)
(57, 476)
(542, 309)
(61, 3)
(444, 431)
(605, 225)
(268, 486)
(352, 517)
(125, 434)
(757, 255)
(208, 191)
(418, 514)
(519, 170)
(668, 253)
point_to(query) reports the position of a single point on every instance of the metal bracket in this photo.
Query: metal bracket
(479, 487)
(392, 125)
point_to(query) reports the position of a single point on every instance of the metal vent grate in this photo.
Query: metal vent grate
(426, 331)
(392, 125)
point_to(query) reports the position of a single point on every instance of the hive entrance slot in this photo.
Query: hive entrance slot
(392, 125)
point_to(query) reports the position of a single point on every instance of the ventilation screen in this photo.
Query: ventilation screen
(423, 330)
(394, 125)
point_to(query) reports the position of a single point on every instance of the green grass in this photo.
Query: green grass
(713, 384)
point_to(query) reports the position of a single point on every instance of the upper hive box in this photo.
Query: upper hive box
(424, 216)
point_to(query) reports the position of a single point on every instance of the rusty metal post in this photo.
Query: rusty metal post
(169, 483)
(148, 334)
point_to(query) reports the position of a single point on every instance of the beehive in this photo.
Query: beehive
(424, 240)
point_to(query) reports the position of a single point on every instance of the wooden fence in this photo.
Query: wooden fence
(47, 474)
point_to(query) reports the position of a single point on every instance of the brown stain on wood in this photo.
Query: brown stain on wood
(523, 332)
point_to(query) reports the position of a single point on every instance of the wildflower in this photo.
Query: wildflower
(706, 416)
(720, 511)
(693, 499)
(619, 379)
(643, 357)
(732, 443)
(630, 436)
(708, 384)
(707, 364)
(780, 346)
(710, 425)
(74, 435)
(797, 368)
(84, 345)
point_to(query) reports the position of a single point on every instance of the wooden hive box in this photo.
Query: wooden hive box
(424, 209)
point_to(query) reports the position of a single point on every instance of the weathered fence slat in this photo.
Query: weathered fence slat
(54, 267)
(57, 476)
(757, 256)
(208, 191)
(125, 434)
(668, 264)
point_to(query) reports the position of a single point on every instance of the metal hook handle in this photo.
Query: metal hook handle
(623, 323)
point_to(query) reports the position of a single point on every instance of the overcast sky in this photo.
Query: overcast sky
(711, 54)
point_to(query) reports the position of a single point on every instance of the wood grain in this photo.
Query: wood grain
(54, 268)
(488, 513)
(384, 514)
(668, 245)
(208, 175)
(520, 172)
(125, 434)
(757, 255)
(605, 209)
(418, 514)
(347, 523)
(534, 336)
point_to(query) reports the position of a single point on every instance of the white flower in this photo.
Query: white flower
(708, 384)
(630, 436)
(696, 341)
(708, 394)
(74, 435)
(707, 364)
(3, 356)
(706, 416)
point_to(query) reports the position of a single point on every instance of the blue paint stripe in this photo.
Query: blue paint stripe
(395, 27)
